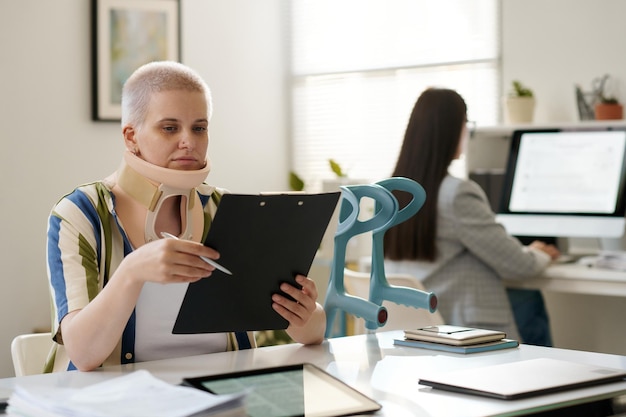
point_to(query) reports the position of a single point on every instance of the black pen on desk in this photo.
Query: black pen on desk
(204, 258)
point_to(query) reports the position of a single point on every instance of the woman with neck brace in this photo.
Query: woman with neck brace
(107, 262)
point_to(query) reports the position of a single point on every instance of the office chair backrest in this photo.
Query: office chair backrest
(29, 353)
(401, 317)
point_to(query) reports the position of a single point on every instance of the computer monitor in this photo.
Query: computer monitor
(565, 183)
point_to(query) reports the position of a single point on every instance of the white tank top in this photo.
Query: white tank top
(156, 312)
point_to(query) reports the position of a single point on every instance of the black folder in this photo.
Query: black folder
(264, 240)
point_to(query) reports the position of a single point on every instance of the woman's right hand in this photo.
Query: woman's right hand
(169, 261)
(547, 248)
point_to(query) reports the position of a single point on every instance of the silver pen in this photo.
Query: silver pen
(204, 258)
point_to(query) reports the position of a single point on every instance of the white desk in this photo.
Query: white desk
(371, 364)
(575, 278)
(565, 277)
(578, 297)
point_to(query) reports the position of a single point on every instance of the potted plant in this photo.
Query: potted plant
(608, 108)
(520, 104)
(605, 104)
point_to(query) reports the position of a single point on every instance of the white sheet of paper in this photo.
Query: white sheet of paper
(132, 395)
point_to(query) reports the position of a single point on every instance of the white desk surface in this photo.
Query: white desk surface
(576, 278)
(373, 365)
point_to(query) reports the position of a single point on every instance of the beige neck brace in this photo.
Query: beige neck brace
(149, 186)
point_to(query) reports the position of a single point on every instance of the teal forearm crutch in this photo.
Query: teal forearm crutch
(386, 215)
(380, 289)
(349, 226)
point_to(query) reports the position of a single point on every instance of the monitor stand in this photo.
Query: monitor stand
(617, 244)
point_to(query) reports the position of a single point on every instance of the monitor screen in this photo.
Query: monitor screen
(565, 183)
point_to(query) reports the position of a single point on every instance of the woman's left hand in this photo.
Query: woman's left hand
(307, 320)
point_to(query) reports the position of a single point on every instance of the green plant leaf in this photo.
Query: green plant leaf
(295, 182)
(336, 168)
(520, 90)
(609, 100)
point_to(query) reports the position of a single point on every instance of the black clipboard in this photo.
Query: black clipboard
(264, 240)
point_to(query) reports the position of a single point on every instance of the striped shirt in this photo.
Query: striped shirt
(86, 244)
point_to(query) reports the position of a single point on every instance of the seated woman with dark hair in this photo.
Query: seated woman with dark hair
(453, 244)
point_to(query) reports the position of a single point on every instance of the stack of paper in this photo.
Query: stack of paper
(4, 398)
(456, 339)
(132, 395)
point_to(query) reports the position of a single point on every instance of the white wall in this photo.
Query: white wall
(553, 45)
(49, 143)
(239, 47)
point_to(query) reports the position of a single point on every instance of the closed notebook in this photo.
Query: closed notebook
(454, 335)
(523, 379)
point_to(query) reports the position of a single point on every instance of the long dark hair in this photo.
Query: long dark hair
(430, 144)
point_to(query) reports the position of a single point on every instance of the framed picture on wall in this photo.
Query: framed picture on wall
(127, 34)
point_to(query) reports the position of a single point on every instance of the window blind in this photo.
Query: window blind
(358, 67)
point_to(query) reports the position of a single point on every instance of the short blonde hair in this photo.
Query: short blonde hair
(155, 77)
